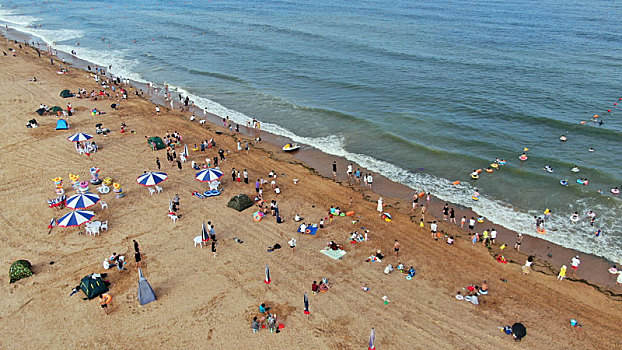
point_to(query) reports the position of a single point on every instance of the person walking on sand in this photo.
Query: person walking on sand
(396, 248)
(370, 180)
(519, 240)
(136, 246)
(104, 300)
(574, 265)
(334, 168)
(137, 258)
(292, 244)
(158, 162)
(562, 273)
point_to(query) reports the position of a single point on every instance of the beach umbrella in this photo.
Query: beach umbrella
(185, 153)
(372, 339)
(267, 280)
(306, 305)
(151, 178)
(82, 200)
(75, 218)
(204, 233)
(170, 205)
(79, 137)
(210, 174)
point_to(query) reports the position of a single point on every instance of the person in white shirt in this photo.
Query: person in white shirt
(349, 172)
(574, 264)
(493, 235)
(433, 228)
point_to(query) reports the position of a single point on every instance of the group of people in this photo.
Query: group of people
(364, 179)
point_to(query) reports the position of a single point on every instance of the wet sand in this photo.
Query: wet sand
(206, 301)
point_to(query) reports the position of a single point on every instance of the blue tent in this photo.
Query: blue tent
(62, 124)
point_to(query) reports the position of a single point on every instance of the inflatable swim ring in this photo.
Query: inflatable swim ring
(582, 182)
(548, 168)
(575, 170)
(494, 166)
(474, 176)
(455, 183)
(502, 162)
(480, 219)
(615, 191)
(522, 157)
(489, 170)
(563, 182)
(474, 198)
(574, 218)
(541, 231)
(563, 138)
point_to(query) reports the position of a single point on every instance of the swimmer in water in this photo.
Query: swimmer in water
(575, 169)
(563, 138)
(476, 193)
(548, 168)
(474, 174)
(574, 217)
(591, 149)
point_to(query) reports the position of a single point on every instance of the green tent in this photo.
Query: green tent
(240, 202)
(157, 141)
(55, 109)
(65, 94)
(93, 287)
(20, 269)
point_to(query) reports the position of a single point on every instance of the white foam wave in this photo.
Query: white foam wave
(10, 16)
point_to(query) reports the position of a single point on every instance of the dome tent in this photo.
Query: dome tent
(20, 269)
(240, 202)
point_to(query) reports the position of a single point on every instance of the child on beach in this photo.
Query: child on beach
(462, 221)
(562, 273)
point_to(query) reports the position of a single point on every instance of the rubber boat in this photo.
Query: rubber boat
(548, 168)
(291, 147)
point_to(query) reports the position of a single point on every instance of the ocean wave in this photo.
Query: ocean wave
(10, 16)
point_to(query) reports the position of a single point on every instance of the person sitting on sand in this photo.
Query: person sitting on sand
(411, 272)
(450, 240)
(483, 290)
(400, 267)
(333, 246)
(324, 287)
(315, 287)
(379, 255)
(388, 269)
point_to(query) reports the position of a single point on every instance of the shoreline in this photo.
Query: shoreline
(550, 256)
(218, 296)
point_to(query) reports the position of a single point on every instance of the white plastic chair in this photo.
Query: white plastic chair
(151, 191)
(173, 217)
(158, 188)
(103, 204)
(104, 225)
(198, 240)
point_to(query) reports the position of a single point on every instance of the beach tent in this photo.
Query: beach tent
(145, 292)
(65, 94)
(240, 202)
(157, 141)
(518, 331)
(93, 287)
(20, 269)
(55, 109)
(62, 124)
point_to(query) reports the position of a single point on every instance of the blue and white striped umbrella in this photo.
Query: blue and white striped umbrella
(79, 137)
(210, 174)
(75, 218)
(82, 200)
(151, 178)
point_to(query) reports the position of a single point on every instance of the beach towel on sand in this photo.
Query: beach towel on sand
(334, 254)
(310, 230)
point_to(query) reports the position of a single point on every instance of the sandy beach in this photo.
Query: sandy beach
(209, 302)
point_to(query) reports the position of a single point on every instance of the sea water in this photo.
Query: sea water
(421, 92)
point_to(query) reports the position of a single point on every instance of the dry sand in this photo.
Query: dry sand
(207, 302)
